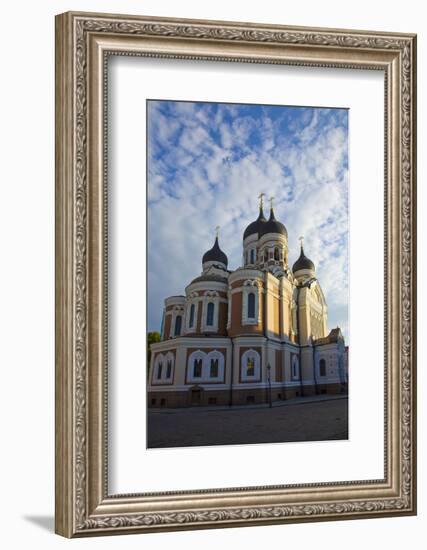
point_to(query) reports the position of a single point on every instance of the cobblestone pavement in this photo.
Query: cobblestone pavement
(310, 419)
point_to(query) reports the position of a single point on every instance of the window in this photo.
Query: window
(250, 366)
(197, 369)
(252, 256)
(214, 368)
(251, 305)
(159, 370)
(276, 254)
(191, 322)
(210, 314)
(295, 367)
(168, 369)
(178, 321)
(322, 367)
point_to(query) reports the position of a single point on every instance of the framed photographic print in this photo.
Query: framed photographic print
(235, 274)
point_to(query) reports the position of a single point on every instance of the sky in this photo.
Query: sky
(207, 165)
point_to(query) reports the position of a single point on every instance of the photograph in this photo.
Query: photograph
(235, 271)
(247, 266)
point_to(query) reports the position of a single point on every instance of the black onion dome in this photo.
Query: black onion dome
(255, 227)
(273, 226)
(215, 254)
(303, 262)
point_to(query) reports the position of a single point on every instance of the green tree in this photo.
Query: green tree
(152, 338)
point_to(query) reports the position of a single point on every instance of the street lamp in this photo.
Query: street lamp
(269, 385)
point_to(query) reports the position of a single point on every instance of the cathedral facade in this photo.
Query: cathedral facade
(253, 335)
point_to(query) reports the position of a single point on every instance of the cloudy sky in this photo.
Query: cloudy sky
(207, 164)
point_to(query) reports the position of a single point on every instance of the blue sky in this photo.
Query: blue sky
(207, 164)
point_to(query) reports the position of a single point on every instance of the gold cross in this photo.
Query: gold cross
(301, 239)
(271, 202)
(261, 199)
(217, 228)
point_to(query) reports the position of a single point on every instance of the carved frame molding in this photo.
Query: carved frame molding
(83, 43)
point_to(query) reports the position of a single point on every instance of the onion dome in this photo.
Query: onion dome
(303, 263)
(273, 226)
(256, 226)
(215, 254)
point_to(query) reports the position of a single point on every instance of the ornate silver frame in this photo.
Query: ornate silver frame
(83, 505)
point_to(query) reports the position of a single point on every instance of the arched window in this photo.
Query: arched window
(191, 322)
(178, 322)
(214, 368)
(251, 305)
(276, 254)
(168, 368)
(295, 367)
(197, 369)
(322, 367)
(159, 370)
(210, 314)
(250, 366)
(252, 256)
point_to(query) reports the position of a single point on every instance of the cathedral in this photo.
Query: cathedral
(257, 334)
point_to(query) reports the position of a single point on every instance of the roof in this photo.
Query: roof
(256, 226)
(273, 226)
(331, 338)
(303, 262)
(215, 254)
